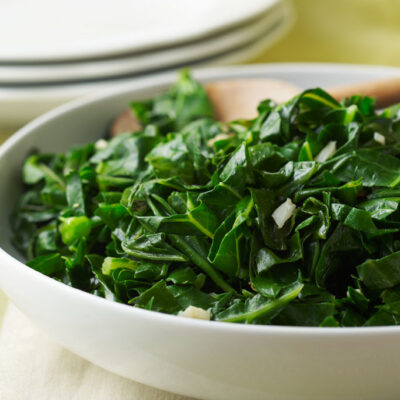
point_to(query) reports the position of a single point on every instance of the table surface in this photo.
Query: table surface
(33, 367)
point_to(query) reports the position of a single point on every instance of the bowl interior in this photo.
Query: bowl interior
(87, 120)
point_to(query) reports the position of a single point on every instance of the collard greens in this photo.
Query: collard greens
(181, 213)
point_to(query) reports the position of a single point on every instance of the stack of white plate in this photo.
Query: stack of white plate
(53, 51)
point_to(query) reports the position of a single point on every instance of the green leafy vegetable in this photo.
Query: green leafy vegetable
(185, 212)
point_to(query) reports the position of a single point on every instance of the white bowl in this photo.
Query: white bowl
(208, 360)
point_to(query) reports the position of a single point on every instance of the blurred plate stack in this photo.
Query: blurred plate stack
(51, 52)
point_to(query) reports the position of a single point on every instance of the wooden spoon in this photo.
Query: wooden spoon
(232, 99)
(385, 91)
(239, 98)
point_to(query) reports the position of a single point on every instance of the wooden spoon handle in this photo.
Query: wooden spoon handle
(386, 92)
(238, 98)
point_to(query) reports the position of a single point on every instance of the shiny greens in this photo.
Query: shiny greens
(181, 213)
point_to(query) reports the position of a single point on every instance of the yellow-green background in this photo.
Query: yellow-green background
(349, 31)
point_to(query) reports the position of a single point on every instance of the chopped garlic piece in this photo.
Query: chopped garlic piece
(220, 136)
(283, 213)
(379, 138)
(195, 312)
(327, 152)
(101, 144)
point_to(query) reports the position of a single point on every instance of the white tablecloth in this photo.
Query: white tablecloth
(32, 367)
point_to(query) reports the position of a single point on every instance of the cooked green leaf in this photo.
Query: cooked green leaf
(291, 218)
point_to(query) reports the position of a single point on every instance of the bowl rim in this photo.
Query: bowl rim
(159, 82)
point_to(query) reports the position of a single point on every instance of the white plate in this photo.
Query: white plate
(203, 359)
(277, 17)
(18, 105)
(45, 30)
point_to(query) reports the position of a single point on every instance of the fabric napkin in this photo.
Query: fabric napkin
(32, 367)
